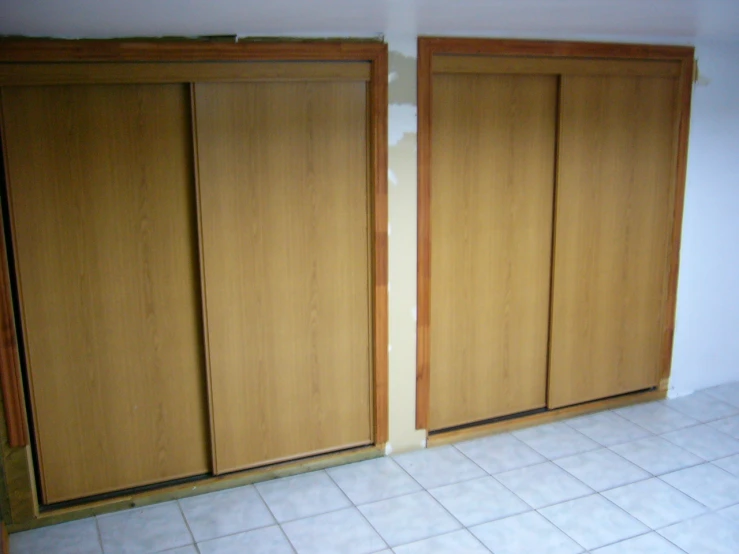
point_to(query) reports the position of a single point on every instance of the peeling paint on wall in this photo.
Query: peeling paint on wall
(402, 171)
(402, 79)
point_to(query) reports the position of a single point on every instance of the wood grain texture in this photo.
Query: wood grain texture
(167, 493)
(542, 418)
(423, 292)
(101, 196)
(50, 50)
(10, 376)
(683, 131)
(614, 223)
(378, 135)
(520, 65)
(555, 49)
(430, 47)
(284, 189)
(492, 173)
(17, 74)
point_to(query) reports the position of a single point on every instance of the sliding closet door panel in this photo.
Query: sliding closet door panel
(103, 211)
(493, 144)
(285, 237)
(613, 231)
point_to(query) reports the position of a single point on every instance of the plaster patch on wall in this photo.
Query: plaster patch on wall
(401, 40)
(402, 245)
(402, 78)
(401, 120)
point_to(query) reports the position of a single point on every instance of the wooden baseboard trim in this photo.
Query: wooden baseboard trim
(211, 484)
(543, 417)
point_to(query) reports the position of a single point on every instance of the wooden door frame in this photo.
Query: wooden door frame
(428, 47)
(17, 54)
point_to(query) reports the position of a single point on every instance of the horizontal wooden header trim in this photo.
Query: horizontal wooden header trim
(519, 65)
(510, 47)
(33, 50)
(12, 74)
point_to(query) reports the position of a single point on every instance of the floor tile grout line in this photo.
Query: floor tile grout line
(100, 534)
(563, 422)
(602, 545)
(690, 496)
(187, 524)
(650, 475)
(613, 411)
(289, 542)
(274, 518)
(538, 511)
(356, 507)
(700, 421)
(243, 531)
(661, 437)
(454, 445)
(531, 508)
(464, 528)
(672, 543)
(390, 458)
(651, 433)
(633, 516)
(599, 493)
(503, 484)
(708, 424)
(548, 461)
(655, 529)
(635, 537)
(714, 397)
(424, 489)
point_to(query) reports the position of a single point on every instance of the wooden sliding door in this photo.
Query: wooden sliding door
(551, 178)
(615, 206)
(102, 205)
(492, 182)
(285, 214)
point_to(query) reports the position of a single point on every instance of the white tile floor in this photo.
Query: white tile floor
(657, 478)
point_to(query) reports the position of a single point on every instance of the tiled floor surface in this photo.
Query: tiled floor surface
(657, 478)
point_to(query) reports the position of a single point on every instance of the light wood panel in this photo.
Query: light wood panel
(615, 204)
(177, 72)
(61, 50)
(10, 376)
(542, 417)
(283, 179)
(511, 52)
(102, 201)
(520, 65)
(514, 47)
(492, 180)
(377, 112)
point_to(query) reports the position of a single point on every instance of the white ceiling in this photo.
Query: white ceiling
(677, 20)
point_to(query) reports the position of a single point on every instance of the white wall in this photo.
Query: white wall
(706, 348)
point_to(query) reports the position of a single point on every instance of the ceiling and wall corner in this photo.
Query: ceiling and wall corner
(676, 20)
(706, 352)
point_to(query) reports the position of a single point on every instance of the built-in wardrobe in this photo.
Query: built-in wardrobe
(198, 282)
(550, 201)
